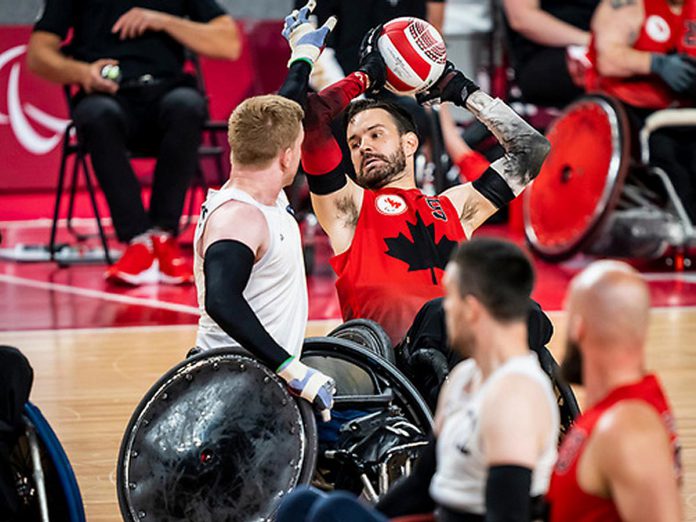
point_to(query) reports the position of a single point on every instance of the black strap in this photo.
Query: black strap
(494, 188)
(327, 183)
(227, 268)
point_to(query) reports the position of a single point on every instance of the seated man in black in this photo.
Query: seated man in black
(152, 107)
(538, 34)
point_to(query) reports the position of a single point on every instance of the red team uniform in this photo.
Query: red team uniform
(662, 32)
(569, 503)
(394, 265)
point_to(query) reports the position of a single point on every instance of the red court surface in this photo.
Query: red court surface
(41, 295)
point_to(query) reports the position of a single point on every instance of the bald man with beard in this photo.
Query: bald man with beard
(621, 460)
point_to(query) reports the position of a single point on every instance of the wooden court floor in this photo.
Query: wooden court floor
(87, 383)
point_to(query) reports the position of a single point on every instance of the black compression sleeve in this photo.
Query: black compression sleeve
(411, 495)
(227, 267)
(507, 494)
(296, 83)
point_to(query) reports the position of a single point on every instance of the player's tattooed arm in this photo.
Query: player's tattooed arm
(525, 148)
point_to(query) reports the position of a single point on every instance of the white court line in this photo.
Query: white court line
(98, 294)
(106, 329)
(138, 329)
(62, 222)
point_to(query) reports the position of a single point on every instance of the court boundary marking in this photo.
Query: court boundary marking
(100, 294)
(139, 329)
(181, 308)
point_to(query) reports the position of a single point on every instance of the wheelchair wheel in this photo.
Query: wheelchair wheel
(380, 422)
(366, 333)
(581, 180)
(218, 437)
(383, 381)
(55, 481)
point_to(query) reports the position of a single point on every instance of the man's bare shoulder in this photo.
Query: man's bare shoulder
(236, 220)
(235, 213)
(628, 418)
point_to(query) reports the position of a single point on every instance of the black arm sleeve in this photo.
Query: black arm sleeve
(227, 267)
(410, 495)
(507, 494)
(296, 83)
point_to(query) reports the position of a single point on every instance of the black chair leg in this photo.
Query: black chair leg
(93, 199)
(198, 182)
(219, 166)
(59, 195)
(73, 190)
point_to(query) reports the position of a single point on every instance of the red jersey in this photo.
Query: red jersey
(402, 243)
(660, 33)
(569, 503)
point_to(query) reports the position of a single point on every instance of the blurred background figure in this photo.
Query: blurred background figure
(643, 54)
(132, 95)
(620, 461)
(539, 33)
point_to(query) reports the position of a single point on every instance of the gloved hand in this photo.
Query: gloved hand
(452, 86)
(677, 70)
(310, 384)
(306, 41)
(371, 61)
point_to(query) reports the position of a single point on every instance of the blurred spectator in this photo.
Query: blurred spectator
(146, 105)
(471, 164)
(468, 31)
(642, 53)
(538, 34)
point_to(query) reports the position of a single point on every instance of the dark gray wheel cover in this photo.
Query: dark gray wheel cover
(218, 438)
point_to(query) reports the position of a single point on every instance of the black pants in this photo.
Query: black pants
(162, 120)
(671, 149)
(544, 79)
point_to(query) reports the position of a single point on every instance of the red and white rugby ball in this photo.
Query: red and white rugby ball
(414, 53)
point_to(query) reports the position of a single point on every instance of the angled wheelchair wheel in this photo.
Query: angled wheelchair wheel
(380, 423)
(366, 333)
(567, 403)
(218, 437)
(364, 378)
(581, 180)
(46, 483)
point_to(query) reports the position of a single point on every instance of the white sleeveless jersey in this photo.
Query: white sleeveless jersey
(277, 288)
(460, 481)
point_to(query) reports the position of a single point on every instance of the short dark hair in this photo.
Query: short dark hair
(402, 118)
(498, 273)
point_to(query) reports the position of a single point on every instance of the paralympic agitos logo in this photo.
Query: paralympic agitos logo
(36, 131)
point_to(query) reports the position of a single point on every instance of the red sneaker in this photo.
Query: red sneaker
(174, 268)
(137, 266)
